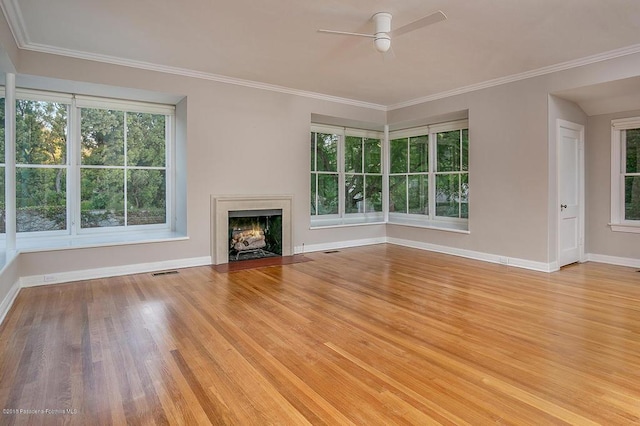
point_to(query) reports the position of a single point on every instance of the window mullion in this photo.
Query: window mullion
(315, 170)
(10, 163)
(432, 175)
(385, 165)
(73, 162)
(341, 174)
(125, 171)
(460, 175)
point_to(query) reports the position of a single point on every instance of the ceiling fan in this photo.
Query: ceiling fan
(382, 35)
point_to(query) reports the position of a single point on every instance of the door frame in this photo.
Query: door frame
(560, 124)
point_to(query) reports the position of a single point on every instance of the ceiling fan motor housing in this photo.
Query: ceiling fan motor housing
(382, 39)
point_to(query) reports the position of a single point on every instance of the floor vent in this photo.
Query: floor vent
(157, 274)
(332, 251)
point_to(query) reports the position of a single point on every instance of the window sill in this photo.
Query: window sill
(348, 220)
(619, 227)
(27, 243)
(461, 227)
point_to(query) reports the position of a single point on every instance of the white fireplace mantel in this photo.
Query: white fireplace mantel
(222, 205)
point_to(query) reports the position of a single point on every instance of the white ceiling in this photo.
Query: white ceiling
(276, 42)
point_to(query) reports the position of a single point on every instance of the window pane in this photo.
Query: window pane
(398, 194)
(465, 150)
(447, 195)
(313, 193)
(102, 134)
(372, 156)
(102, 198)
(464, 196)
(418, 194)
(2, 191)
(313, 151)
(327, 194)
(3, 211)
(146, 139)
(353, 154)
(146, 197)
(41, 199)
(632, 198)
(2, 135)
(41, 132)
(633, 151)
(373, 193)
(399, 154)
(448, 151)
(327, 152)
(419, 154)
(354, 194)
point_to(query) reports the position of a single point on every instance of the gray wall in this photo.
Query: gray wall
(510, 169)
(227, 125)
(507, 171)
(600, 239)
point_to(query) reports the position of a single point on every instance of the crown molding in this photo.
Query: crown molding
(11, 10)
(184, 72)
(13, 14)
(600, 57)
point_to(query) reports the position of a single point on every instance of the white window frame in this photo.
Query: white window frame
(33, 95)
(618, 172)
(342, 218)
(74, 231)
(430, 220)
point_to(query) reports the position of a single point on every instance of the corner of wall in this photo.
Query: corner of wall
(9, 286)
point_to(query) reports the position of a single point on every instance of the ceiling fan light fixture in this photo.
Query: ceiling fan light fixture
(382, 39)
(382, 42)
(382, 34)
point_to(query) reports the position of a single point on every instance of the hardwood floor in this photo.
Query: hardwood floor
(373, 335)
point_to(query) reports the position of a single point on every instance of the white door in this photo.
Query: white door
(570, 192)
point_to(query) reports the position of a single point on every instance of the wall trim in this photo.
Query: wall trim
(476, 255)
(88, 274)
(562, 66)
(613, 260)
(7, 303)
(338, 245)
(18, 28)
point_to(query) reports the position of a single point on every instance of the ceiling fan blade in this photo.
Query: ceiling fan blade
(432, 18)
(346, 33)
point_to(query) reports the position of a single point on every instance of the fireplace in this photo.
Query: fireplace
(250, 218)
(254, 234)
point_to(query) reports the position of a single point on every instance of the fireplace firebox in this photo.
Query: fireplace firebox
(223, 206)
(254, 234)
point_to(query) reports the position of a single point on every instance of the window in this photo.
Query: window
(452, 174)
(3, 211)
(429, 176)
(363, 175)
(85, 165)
(409, 175)
(346, 176)
(41, 165)
(324, 174)
(123, 168)
(625, 175)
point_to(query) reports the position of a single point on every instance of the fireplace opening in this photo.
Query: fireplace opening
(254, 234)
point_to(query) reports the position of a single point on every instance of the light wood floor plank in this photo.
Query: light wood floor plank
(371, 335)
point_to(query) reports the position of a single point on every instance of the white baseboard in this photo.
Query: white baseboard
(338, 245)
(6, 304)
(88, 274)
(476, 255)
(613, 260)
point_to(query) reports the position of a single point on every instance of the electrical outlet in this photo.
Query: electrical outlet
(49, 278)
